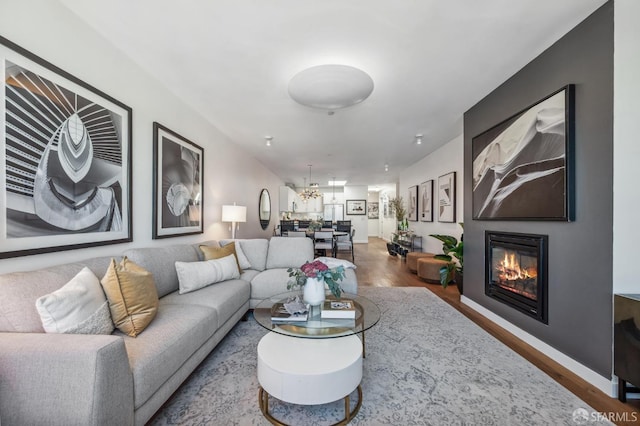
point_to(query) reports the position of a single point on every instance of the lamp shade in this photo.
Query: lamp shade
(234, 213)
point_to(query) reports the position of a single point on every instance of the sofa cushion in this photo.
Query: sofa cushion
(160, 261)
(78, 307)
(285, 252)
(195, 275)
(133, 299)
(243, 261)
(270, 282)
(20, 290)
(255, 250)
(175, 334)
(225, 298)
(210, 243)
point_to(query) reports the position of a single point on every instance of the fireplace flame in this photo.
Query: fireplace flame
(509, 269)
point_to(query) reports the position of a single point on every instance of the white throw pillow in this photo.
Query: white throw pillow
(196, 275)
(78, 307)
(243, 261)
(332, 262)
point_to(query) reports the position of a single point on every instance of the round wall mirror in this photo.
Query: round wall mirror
(264, 208)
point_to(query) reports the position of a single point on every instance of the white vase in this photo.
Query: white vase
(313, 293)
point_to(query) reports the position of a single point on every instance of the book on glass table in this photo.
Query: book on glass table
(289, 312)
(343, 308)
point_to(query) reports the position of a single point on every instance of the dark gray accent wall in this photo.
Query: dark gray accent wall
(580, 252)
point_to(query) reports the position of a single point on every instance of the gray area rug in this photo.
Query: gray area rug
(426, 364)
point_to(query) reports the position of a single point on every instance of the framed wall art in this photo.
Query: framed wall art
(65, 160)
(373, 209)
(412, 204)
(356, 207)
(177, 184)
(425, 198)
(523, 166)
(447, 197)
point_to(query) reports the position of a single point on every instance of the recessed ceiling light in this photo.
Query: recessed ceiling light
(268, 139)
(419, 139)
(386, 167)
(337, 182)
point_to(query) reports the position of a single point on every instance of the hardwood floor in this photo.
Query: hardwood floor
(376, 268)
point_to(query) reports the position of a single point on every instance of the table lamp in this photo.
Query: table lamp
(234, 214)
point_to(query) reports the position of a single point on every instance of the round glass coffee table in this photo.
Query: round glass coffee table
(312, 362)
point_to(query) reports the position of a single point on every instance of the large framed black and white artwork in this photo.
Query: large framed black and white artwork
(177, 184)
(447, 197)
(65, 160)
(412, 204)
(523, 167)
(425, 204)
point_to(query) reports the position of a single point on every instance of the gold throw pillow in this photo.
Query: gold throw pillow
(211, 253)
(132, 295)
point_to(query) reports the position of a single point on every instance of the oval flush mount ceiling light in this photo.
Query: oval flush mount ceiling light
(330, 86)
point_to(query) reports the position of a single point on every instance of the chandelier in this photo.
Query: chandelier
(311, 192)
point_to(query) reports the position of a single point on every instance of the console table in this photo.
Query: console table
(404, 243)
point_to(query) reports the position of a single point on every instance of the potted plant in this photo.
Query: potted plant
(312, 276)
(453, 253)
(397, 205)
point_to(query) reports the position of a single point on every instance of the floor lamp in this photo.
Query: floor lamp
(234, 214)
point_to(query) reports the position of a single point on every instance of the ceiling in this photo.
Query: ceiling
(430, 61)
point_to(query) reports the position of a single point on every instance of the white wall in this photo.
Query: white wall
(448, 158)
(49, 30)
(359, 222)
(626, 149)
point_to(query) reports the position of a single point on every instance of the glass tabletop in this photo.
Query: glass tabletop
(315, 327)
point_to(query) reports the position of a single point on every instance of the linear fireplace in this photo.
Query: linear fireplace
(516, 271)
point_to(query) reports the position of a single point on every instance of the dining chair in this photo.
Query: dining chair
(304, 224)
(296, 234)
(345, 243)
(327, 224)
(286, 225)
(323, 241)
(343, 226)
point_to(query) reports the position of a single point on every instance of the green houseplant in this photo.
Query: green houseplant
(397, 205)
(453, 250)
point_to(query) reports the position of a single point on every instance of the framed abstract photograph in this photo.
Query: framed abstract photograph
(447, 197)
(412, 204)
(373, 210)
(523, 166)
(177, 184)
(356, 207)
(425, 198)
(65, 160)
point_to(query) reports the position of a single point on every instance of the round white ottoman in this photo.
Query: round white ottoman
(309, 371)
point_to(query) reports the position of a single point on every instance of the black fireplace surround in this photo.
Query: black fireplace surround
(516, 271)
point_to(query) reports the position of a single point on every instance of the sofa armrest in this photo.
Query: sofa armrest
(64, 379)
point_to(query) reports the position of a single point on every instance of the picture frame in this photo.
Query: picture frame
(65, 161)
(447, 197)
(523, 166)
(425, 201)
(412, 204)
(356, 207)
(178, 184)
(373, 209)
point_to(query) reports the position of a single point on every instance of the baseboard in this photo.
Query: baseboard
(600, 382)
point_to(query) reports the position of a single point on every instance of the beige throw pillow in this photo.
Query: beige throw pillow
(220, 252)
(78, 307)
(132, 294)
(196, 275)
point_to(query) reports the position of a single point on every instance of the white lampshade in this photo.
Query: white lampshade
(234, 213)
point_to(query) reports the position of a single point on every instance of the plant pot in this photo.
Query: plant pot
(458, 278)
(313, 293)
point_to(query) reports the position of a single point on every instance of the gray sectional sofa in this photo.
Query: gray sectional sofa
(80, 379)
